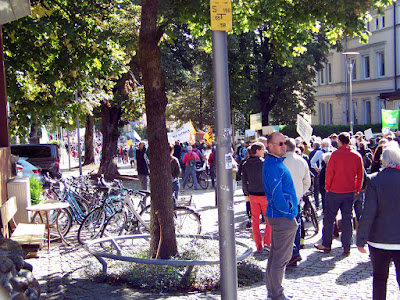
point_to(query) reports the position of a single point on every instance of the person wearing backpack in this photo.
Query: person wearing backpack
(366, 154)
(189, 160)
(316, 162)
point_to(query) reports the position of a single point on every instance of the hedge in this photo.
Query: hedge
(326, 130)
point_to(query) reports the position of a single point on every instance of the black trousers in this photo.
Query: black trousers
(380, 264)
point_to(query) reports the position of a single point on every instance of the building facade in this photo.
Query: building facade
(375, 75)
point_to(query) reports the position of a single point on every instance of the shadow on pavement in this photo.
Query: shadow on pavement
(362, 271)
(317, 263)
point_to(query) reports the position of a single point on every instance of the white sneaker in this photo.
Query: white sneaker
(267, 248)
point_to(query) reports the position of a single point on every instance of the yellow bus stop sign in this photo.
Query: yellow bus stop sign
(221, 15)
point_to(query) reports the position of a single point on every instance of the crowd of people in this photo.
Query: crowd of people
(346, 172)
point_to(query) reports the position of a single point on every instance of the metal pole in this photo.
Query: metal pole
(79, 139)
(224, 167)
(4, 133)
(350, 68)
(69, 150)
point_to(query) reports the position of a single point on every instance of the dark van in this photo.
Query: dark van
(45, 156)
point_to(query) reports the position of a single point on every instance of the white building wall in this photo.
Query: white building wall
(366, 89)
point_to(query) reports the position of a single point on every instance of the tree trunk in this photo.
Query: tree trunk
(111, 117)
(89, 149)
(162, 222)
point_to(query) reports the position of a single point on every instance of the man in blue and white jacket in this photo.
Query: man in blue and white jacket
(281, 212)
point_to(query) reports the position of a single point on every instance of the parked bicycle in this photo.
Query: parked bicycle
(309, 217)
(111, 202)
(128, 221)
(202, 178)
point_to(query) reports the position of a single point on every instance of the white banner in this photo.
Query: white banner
(136, 135)
(182, 134)
(304, 128)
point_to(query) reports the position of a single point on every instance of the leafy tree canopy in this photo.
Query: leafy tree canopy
(65, 47)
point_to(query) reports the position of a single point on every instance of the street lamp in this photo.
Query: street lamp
(350, 65)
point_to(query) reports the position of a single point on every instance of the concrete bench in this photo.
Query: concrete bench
(29, 236)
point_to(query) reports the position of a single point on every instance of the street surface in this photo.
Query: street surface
(318, 275)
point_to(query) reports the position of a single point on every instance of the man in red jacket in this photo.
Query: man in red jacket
(344, 178)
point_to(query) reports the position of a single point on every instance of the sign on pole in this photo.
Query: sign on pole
(304, 128)
(221, 21)
(221, 15)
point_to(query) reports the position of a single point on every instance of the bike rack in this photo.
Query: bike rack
(176, 263)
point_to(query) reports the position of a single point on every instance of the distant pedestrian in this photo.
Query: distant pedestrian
(379, 225)
(143, 166)
(177, 150)
(189, 159)
(131, 154)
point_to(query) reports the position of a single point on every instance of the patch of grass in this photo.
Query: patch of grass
(249, 273)
(172, 279)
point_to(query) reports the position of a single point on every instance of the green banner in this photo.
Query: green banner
(390, 119)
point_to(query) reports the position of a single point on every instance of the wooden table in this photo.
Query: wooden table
(46, 207)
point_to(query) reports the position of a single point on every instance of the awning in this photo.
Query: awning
(390, 96)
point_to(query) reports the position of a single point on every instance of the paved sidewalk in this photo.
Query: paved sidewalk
(318, 275)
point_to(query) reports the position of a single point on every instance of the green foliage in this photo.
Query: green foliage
(63, 47)
(142, 131)
(324, 131)
(36, 188)
(259, 83)
(188, 74)
(57, 142)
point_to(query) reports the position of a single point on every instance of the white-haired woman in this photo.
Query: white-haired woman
(379, 225)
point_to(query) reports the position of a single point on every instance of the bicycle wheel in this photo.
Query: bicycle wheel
(203, 180)
(189, 181)
(187, 221)
(115, 224)
(133, 224)
(64, 220)
(310, 215)
(145, 216)
(92, 225)
(113, 228)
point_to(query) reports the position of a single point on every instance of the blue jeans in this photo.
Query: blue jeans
(334, 202)
(316, 191)
(296, 245)
(190, 170)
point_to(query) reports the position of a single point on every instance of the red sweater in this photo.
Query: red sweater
(344, 172)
